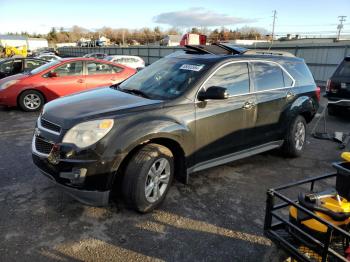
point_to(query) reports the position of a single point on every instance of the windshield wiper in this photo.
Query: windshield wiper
(135, 92)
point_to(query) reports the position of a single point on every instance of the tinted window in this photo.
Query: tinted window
(70, 69)
(17, 66)
(30, 64)
(300, 73)
(234, 77)
(344, 69)
(267, 76)
(287, 80)
(6, 67)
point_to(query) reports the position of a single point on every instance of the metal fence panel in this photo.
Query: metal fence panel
(321, 59)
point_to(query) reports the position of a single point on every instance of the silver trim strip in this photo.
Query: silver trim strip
(338, 101)
(36, 152)
(45, 129)
(234, 156)
(249, 61)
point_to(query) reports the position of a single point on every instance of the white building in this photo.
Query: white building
(19, 41)
(13, 40)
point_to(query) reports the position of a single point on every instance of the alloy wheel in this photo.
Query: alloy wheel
(157, 180)
(299, 136)
(32, 101)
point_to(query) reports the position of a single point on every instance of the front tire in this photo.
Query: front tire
(294, 142)
(31, 101)
(148, 177)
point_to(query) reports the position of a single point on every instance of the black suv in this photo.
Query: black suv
(338, 88)
(192, 110)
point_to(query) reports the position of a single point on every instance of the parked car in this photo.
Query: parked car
(12, 66)
(59, 78)
(48, 57)
(127, 60)
(96, 55)
(338, 88)
(184, 113)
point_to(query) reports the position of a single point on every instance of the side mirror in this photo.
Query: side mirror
(213, 92)
(52, 74)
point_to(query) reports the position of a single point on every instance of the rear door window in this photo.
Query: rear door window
(267, 76)
(95, 68)
(234, 77)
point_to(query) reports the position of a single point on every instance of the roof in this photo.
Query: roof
(12, 37)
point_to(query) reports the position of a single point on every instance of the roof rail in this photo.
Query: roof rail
(267, 52)
(215, 49)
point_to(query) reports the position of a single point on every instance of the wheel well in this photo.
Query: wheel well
(173, 146)
(308, 116)
(19, 95)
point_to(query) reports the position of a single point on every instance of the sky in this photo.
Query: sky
(296, 17)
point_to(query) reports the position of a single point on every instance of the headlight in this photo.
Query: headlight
(88, 133)
(7, 84)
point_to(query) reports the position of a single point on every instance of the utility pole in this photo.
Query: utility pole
(273, 24)
(340, 26)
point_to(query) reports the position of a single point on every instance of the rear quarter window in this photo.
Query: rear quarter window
(343, 69)
(300, 72)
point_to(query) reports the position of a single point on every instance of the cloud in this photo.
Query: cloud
(198, 17)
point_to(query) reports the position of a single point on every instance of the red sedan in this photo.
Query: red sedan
(62, 77)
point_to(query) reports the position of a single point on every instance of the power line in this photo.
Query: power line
(340, 26)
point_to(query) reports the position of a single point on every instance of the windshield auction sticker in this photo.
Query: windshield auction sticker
(192, 67)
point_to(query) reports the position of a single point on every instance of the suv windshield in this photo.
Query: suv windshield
(165, 79)
(44, 67)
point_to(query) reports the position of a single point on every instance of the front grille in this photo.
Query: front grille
(43, 146)
(50, 126)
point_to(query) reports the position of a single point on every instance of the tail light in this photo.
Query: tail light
(318, 94)
(328, 86)
(332, 87)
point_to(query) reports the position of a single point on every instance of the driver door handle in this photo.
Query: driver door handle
(248, 105)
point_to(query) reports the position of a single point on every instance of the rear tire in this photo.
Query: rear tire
(294, 142)
(31, 100)
(148, 177)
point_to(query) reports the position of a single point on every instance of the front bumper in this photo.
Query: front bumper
(95, 198)
(86, 177)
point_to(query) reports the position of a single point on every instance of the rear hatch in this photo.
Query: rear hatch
(339, 83)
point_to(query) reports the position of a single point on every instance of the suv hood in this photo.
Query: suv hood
(102, 102)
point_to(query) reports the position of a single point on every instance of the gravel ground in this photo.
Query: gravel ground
(217, 217)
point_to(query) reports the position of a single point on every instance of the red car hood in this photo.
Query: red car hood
(14, 77)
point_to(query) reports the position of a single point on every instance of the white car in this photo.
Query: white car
(48, 57)
(127, 60)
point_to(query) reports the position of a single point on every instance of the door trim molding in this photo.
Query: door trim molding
(234, 156)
